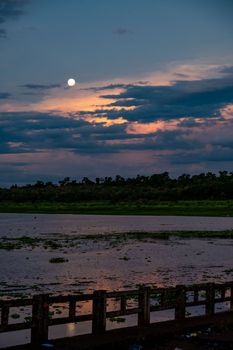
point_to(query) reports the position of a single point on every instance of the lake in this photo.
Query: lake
(31, 224)
(109, 262)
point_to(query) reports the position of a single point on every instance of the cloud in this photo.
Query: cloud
(185, 126)
(121, 31)
(216, 155)
(161, 118)
(48, 142)
(4, 95)
(30, 132)
(41, 87)
(2, 33)
(10, 10)
(194, 98)
(114, 86)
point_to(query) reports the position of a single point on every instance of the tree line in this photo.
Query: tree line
(140, 188)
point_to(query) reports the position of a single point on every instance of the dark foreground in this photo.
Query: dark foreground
(214, 332)
(185, 328)
(204, 339)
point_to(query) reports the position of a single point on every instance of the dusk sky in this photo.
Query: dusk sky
(153, 93)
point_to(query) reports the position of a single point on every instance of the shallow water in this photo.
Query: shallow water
(20, 224)
(109, 264)
(101, 265)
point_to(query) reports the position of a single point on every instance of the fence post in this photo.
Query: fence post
(72, 307)
(5, 315)
(123, 304)
(231, 296)
(210, 296)
(144, 306)
(180, 302)
(40, 319)
(162, 299)
(99, 312)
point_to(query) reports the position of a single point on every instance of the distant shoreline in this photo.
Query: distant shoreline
(221, 208)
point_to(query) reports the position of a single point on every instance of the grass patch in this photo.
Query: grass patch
(189, 208)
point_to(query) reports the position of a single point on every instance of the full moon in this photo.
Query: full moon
(71, 82)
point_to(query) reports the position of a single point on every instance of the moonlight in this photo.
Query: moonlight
(71, 82)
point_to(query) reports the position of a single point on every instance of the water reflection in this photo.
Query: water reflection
(29, 224)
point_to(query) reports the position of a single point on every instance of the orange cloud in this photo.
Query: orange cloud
(148, 128)
(227, 112)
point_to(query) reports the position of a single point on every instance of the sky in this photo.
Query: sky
(153, 93)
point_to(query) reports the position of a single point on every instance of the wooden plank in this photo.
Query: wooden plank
(122, 293)
(197, 303)
(221, 300)
(59, 299)
(15, 327)
(15, 302)
(154, 308)
(67, 298)
(198, 287)
(66, 320)
(119, 313)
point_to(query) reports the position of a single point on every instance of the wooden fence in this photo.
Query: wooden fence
(146, 300)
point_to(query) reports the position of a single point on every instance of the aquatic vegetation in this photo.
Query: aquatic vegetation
(126, 258)
(112, 240)
(58, 260)
(117, 319)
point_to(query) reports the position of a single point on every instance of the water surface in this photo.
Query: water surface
(109, 263)
(19, 224)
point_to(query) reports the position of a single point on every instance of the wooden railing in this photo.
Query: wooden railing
(146, 299)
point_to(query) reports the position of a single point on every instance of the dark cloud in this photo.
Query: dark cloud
(36, 134)
(40, 87)
(216, 155)
(2, 33)
(29, 132)
(10, 10)
(108, 87)
(4, 95)
(121, 31)
(116, 86)
(199, 98)
(181, 75)
(227, 70)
